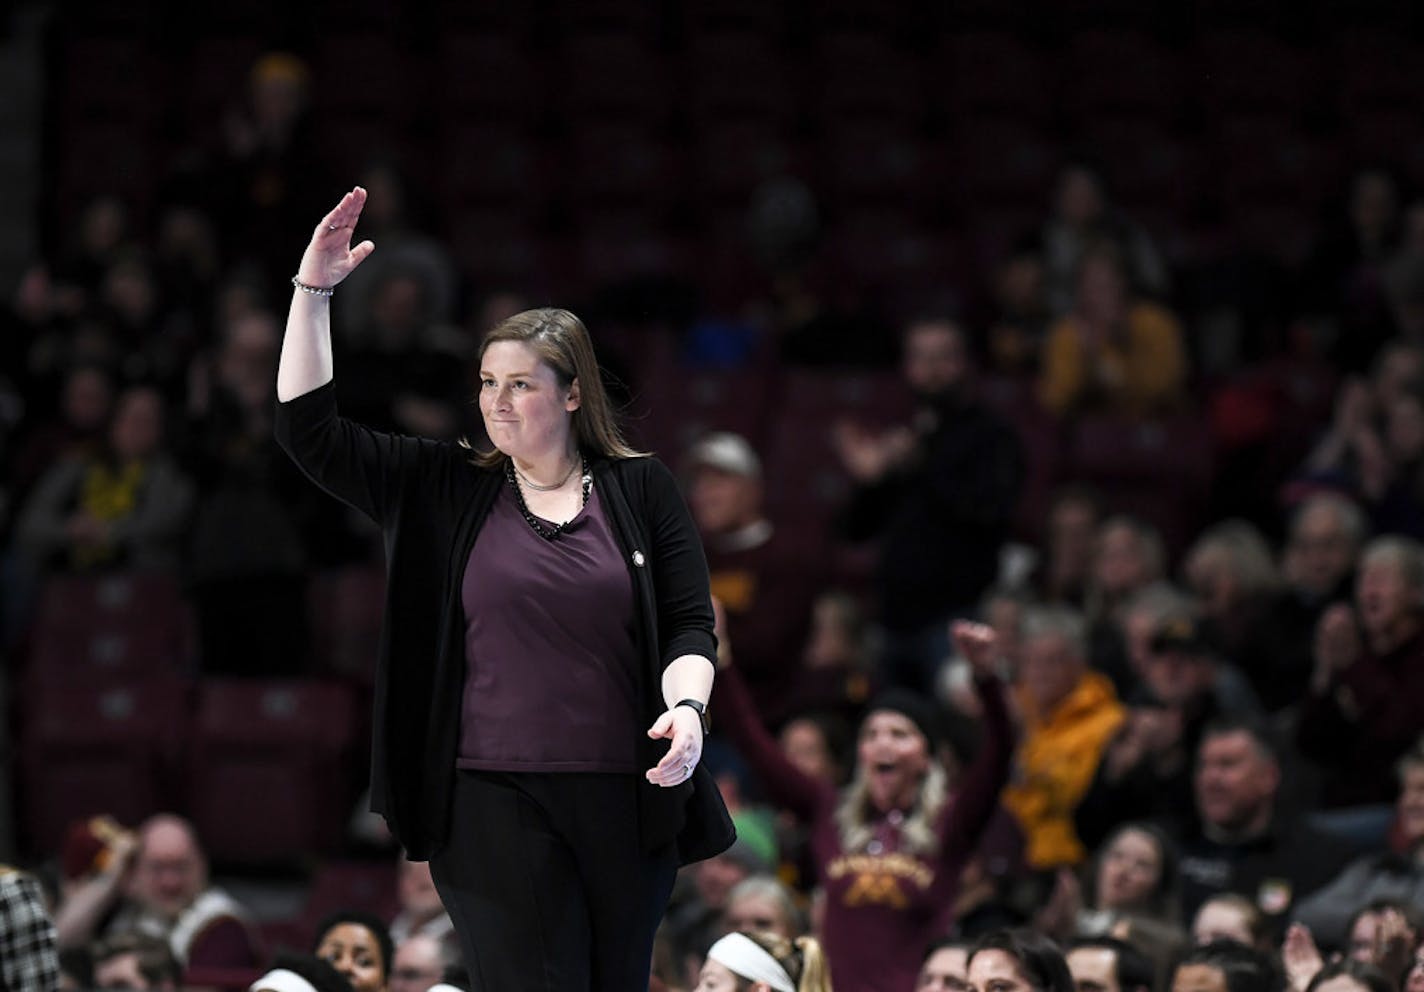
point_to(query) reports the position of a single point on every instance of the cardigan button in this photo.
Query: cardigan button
(638, 559)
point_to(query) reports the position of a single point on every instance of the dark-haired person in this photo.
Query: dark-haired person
(1225, 966)
(359, 946)
(890, 847)
(1351, 976)
(1244, 843)
(1017, 960)
(945, 967)
(1106, 964)
(547, 648)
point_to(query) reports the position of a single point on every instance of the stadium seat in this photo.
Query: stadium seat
(96, 745)
(271, 768)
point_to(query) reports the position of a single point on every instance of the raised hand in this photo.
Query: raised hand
(979, 645)
(329, 257)
(1300, 956)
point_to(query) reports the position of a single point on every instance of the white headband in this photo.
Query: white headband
(281, 980)
(749, 959)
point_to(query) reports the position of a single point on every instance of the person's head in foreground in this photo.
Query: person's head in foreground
(1350, 975)
(300, 973)
(1018, 960)
(1106, 964)
(742, 962)
(945, 967)
(359, 946)
(1225, 966)
(1229, 916)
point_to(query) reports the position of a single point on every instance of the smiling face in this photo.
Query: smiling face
(1129, 871)
(1384, 596)
(526, 410)
(1235, 781)
(894, 757)
(354, 951)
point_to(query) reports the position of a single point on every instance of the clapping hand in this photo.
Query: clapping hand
(979, 645)
(329, 257)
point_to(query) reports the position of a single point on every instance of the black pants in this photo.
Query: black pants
(548, 885)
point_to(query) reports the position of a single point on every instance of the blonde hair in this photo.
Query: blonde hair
(853, 815)
(804, 960)
(562, 343)
(1246, 551)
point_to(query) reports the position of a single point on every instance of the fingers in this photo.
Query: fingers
(360, 253)
(343, 216)
(676, 766)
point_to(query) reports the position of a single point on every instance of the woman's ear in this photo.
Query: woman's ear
(572, 403)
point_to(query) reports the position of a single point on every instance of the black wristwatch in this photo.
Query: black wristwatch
(697, 706)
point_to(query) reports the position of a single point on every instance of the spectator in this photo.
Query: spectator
(1017, 961)
(946, 967)
(1071, 536)
(1365, 707)
(28, 959)
(1021, 314)
(1135, 876)
(168, 896)
(1318, 563)
(75, 430)
(1225, 966)
(358, 946)
(837, 659)
(1352, 976)
(135, 961)
(762, 904)
(1112, 354)
(422, 913)
(1233, 574)
(765, 585)
(123, 507)
(95, 861)
(1244, 842)
(940, 495)
(1393, 875)
(1146, 771)
(1231, 917)
(1128, 557)
(888, 849)
(741, 960)
(1084, 216)
(419, 963)
(1069, 713)
(1106, 964)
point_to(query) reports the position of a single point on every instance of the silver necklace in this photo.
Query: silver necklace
(545, 489)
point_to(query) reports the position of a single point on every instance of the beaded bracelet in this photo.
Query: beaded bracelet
(313, 290)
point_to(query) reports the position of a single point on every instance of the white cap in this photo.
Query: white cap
(725, 451)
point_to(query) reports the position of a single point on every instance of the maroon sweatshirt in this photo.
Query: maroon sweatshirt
(883, 905)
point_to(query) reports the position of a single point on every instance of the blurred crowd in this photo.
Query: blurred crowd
(1210, 774)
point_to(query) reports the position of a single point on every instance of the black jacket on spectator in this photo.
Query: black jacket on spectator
(430, 502)
(943, 518)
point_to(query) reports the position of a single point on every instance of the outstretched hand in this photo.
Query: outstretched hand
(684, 728)
(329, 257)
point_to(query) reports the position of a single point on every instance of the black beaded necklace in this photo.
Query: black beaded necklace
(547, 533)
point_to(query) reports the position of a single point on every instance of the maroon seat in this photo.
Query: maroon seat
(363, 885)
(96, 745)
(345, 607)
(125, 624)
(271, 771)
(674, 406)
(1158, 470)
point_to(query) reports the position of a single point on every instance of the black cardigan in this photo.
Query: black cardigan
(430, 500)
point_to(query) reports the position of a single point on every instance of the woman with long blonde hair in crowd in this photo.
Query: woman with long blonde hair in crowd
(763, 962)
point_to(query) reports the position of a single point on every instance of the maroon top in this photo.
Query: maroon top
(550, 655)
(883, 904)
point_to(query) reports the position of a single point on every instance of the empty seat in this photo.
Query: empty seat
(125, 623)
(271, 775)
(341, 885)
(345, 606)
(96, 745)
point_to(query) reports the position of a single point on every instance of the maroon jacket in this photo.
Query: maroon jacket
(1370, 714)
(883, 905)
